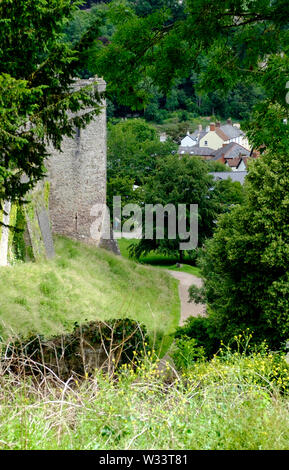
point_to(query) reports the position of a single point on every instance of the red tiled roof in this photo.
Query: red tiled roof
(235, 162)
(221, 134)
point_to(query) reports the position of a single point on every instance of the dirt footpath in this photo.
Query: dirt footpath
(188, 309)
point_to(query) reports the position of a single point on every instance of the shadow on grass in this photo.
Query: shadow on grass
(160, 261)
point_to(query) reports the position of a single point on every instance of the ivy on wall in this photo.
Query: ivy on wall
(25, 241)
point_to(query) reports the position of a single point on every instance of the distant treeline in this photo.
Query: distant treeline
(89, 3)
(184, 94)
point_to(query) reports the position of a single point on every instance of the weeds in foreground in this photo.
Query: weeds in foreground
(233, 401)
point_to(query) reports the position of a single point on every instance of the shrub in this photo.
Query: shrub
(186, 351)
(245, 264)
(199, 329)
(94, 345)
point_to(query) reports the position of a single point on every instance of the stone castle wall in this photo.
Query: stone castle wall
(30, 238)
(77, 185)
(77, 176)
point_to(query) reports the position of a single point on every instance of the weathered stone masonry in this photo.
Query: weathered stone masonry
(77, 176)
(77, 183)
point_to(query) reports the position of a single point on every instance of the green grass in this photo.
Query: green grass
(84, 283)
(158, 260)
(221, 404)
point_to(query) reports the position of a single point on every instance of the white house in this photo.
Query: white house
(189, 140)
(215, 136)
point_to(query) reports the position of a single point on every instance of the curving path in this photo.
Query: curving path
(188, 309)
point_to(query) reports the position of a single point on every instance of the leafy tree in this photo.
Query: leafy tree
(186, 95)
(214, 165)
(153, 112)
(123, 186)
(224, 43)
(146, 7)
(179, 181)
(245, 264)
(238, 102)
(229, 193)
(187, 181)
(183, 93)
(96, 23)
(134, 149)
(37, 71)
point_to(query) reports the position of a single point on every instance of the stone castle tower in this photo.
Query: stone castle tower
(76, 189)
(77, 176)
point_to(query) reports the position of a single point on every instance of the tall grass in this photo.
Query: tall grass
(227, 403)
(83, 284)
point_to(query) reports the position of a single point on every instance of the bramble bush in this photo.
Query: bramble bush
(199, 329)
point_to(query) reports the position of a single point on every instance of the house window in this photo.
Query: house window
(206, 142)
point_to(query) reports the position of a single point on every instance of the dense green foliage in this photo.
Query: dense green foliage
(229, 193)
(146, 7)
(220, 45)
(134, 149)
(37, 70)
(187, 181)
(245, 264)
(199, 329)
(179, 181)
(184, 93)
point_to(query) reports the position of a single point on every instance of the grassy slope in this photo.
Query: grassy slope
(84, 283)
(158, 260)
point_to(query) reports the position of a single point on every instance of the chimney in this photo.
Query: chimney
(200, 127)
(229, 121)
(218, 124)
(225, 145)
(222, 159)
(212, 126)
